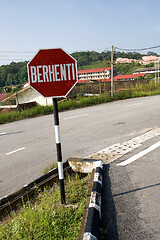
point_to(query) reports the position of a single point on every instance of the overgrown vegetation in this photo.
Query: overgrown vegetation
(140, 90)
(47, 218)
(13, 74)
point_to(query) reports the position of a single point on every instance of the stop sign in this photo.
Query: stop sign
(52, 72)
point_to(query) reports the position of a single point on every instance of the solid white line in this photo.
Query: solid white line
(14, 151)
(76, 116)
(141, 154)
(2, 133)
(135, 104)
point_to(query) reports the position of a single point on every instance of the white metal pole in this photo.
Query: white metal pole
(59, 151)
(112, 72)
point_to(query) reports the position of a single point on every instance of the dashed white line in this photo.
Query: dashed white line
(14, 151)
(76, 116)
(134, 104)
(2, 133)
(140, 154)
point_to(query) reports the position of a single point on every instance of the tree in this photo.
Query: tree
(152, 53)
(13, 74)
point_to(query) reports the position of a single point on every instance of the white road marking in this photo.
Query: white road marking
(14, 151)
(2, 133)
(85, 114)
(140, 154)
(135, 104)
(115, 151)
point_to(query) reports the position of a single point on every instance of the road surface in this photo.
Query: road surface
(131, 193)
(28, 146)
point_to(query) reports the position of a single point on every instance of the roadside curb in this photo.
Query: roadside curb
(91, 231)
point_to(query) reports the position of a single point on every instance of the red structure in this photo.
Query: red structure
(52, 73)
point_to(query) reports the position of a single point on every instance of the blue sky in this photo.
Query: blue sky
(76, 25)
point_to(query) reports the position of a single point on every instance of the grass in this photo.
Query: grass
(147, 89)
(47, 218)
(50, 167)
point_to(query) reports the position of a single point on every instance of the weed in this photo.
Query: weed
(47, 218)
(103, 233)
(52, 166)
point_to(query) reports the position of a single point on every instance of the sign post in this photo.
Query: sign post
(53, 73)
(59, 151)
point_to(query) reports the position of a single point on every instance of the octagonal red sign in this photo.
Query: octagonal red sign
(52, 72)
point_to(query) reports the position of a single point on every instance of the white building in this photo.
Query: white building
(150, 59)
(95, 74)
(145, 60)
(27, 95)
(125, 60)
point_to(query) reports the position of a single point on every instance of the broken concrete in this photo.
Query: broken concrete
(83, 165)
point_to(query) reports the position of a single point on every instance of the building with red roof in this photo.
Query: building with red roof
(95, 74)
(104, 74)
(128, 77)
(117, 78)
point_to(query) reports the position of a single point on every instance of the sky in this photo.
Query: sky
(76, 25)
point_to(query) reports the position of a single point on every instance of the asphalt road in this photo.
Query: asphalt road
(28, 146)
(131, 195)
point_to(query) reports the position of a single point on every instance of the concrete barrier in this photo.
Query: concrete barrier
(94, 211)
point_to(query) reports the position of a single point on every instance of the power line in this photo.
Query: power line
(12, 59)
(16, 52)
(137, 49)
(29, 54)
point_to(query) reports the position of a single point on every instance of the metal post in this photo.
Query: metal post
(112, 72)
(158, 69)
(104, 83)
(100, 87)
(59, 152)
(155, 75)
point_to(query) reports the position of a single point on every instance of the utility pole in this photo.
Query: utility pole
(100, 87)
(158, 69)
(104, 83)
(112, 72)
(155, 75)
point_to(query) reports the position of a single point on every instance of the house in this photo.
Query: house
(149, 59)
(2, 107)
(128, 77)
(95, 74)
(148, 70)
(145, 60)
(3, 96)
(27, 95)
(125, 60)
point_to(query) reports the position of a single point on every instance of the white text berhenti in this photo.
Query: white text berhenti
(51, 73)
